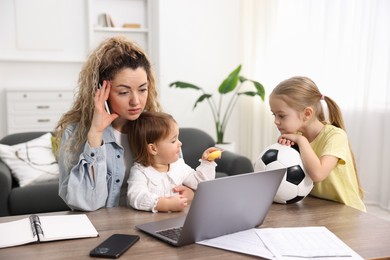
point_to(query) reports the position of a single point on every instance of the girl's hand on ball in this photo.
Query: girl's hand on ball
(289, 139)
(285, 141)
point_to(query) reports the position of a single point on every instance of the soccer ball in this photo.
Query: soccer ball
(296, 184)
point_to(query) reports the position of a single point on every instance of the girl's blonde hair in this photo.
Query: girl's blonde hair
(149, 128)
(301, 92)
(110, 57)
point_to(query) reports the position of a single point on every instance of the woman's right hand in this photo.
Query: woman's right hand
(101, 118)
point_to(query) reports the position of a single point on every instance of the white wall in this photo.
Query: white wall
(198, 41)
(24, 65)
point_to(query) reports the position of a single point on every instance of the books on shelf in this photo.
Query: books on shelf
(109, 21)
(105, 20)
(132, 25)
(45, 228)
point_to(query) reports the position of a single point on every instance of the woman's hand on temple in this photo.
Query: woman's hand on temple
(101, 118)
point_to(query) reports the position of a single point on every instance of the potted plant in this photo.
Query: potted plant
(233, 82)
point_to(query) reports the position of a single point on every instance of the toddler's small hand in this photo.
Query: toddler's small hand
(211, 154)
(179, 203)
(184, 191)
(214, 155)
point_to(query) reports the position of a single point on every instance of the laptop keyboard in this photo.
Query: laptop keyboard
(171, 233)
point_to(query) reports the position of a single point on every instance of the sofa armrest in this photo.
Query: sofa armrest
(5, 188)
(233, 164)
(37, 198)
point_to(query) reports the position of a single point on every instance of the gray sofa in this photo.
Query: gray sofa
(15, 200)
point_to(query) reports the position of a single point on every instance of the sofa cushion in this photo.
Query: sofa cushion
(195, 142)
(31, 162)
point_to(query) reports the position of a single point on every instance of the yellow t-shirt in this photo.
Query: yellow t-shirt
(341, 185)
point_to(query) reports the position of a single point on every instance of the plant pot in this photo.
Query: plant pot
(227, 147)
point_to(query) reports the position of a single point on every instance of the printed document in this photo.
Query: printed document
(286, 243)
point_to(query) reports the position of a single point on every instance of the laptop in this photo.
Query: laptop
(220, 206)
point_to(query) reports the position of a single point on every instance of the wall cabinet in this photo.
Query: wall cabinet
(36, 110)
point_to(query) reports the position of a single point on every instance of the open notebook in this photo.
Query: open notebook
(45, 228)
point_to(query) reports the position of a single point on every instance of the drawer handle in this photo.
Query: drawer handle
(43, 120)
(43, 107)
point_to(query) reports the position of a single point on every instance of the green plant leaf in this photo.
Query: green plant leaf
(180, 84)
(201, 98)
(260, 89)
(230, 83)
(242, 79)
(248, 93)
(222, 116)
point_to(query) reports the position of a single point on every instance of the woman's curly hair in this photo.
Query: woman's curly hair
(110, 57)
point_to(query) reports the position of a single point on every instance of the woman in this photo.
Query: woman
(116, 84)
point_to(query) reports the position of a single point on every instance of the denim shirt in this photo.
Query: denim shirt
(77, 186)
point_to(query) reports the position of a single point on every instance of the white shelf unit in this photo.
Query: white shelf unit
(121, 12)
(36, 110)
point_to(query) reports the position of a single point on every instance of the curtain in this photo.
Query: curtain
(343, 46)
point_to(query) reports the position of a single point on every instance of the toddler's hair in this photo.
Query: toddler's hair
(149, 128)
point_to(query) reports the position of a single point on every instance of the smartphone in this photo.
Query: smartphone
(105, 102)
(114, 246)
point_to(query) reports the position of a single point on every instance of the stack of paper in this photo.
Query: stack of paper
(286, 243)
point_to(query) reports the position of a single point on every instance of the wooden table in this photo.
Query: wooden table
(368, 235)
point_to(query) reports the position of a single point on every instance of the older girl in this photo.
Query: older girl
(324, 146)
